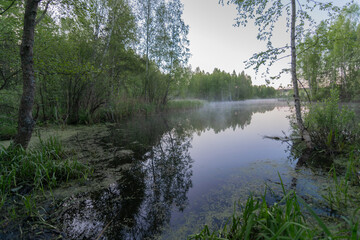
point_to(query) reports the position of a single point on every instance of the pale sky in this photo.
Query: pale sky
(215, 42)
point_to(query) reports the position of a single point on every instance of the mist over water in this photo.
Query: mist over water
(187, 169)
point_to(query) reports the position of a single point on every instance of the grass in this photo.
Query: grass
(123, 109)
(257, 220)
(333, 130)
(290, 218)
(37, 169)
(25, 176)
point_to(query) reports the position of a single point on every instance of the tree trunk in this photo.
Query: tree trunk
(148, 20)
(26, 122)
(303, 132)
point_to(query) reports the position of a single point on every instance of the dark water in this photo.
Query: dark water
(188, 169)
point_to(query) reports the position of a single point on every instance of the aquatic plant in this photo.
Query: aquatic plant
(287, 219)
(258, 220)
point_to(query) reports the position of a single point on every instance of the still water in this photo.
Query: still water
(186, 169)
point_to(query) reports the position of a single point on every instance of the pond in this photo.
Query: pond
(167, 175)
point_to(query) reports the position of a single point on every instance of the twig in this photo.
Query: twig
(102, 232)
(8, 7)
(44, 13)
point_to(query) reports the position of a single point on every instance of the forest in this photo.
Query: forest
(96, 59)
(101, 115)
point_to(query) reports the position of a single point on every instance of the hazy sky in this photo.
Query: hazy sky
(215, 42)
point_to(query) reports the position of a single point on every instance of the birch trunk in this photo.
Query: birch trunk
(303, 132)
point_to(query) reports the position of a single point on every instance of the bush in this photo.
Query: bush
(332, 129)
(8, 129)
(9, 101)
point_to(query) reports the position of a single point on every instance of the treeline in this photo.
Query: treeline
(330, 58)
(222, 86)
(94, 58)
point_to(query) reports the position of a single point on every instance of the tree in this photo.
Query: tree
(172, 44)
(25, 121)
(147, 16)
(328, 58)
(265, 14)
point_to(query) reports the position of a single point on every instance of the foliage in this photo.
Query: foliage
(328, 57)
(88, 55)
(37, 169)
(342, 193)
(8, 113)
(222, 86)
(125, 108)
(332, 129)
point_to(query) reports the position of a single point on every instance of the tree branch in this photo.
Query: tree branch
(307, 94)
(1, 13)
(6, 79)
(44, 13)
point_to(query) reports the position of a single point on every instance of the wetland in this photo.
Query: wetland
(166, 175)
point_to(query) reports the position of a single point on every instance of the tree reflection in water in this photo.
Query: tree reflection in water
(139, 204)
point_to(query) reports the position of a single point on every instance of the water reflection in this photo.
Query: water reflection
(138, 204)
(155, 181)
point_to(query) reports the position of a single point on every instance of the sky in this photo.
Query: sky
(215, 42)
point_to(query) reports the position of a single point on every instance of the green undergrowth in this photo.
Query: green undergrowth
(124, 109)
(7, 129)
(334, 130)
(27, 180)
(44, 167)
(131, 107)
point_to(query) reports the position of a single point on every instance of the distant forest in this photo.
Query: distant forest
(223, 86)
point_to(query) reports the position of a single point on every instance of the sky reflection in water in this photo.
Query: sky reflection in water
(188, 169)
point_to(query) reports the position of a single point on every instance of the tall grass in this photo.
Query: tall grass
(333, 130)
(258, 220)
(290, 218)
(125, 108)
(36, 169)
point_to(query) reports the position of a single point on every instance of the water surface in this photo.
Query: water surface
(187, 169)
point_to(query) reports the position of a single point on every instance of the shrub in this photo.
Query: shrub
(332, 129)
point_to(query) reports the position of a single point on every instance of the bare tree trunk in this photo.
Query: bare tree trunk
(303, 132)
(26, 122)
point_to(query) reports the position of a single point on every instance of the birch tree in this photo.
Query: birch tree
(265, 14)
